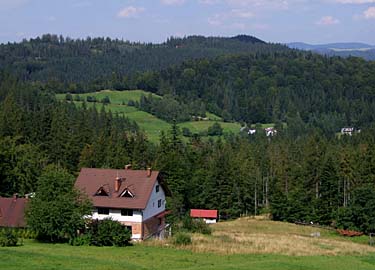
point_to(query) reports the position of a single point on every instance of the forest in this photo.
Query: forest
(305, 173)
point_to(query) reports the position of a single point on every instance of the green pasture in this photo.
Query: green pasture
(152, 125)
(38, 256)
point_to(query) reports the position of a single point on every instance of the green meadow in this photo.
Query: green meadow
(38, 256)
(245, 243)
(152, 125)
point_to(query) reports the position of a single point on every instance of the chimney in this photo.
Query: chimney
(128, 167)
(117, 183)
(149, 171)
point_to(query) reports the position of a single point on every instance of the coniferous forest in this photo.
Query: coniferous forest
(305, 173)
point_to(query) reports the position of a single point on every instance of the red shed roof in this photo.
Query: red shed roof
(202, 213)
(138, 182)
(12, 212)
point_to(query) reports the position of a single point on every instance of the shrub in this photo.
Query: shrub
(108, 232)
(106, 100)
(196, 225)
(182, 239)
(215, 130)
(8, 238)
(81, 240)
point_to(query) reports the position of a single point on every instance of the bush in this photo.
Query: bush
(215, 130)
(186, 132)
(182, 239)
(82, 240)
(196, 225)
(108, 232)
(106, 100)
(8, 238)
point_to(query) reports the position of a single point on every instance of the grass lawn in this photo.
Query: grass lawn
(245, 243)
(40, 256)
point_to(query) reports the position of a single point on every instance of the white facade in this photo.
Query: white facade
(115, 214)
(155, 205)
(210, 220)
(152, 208)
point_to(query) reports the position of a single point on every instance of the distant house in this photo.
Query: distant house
(12, 212)
(209, 216)
(252, 131)
(135, 198)
(270, 131)
(349, 131)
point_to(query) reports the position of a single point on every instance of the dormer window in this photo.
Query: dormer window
(101, 192)
(127, 194)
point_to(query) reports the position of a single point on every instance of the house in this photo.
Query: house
(347, 131)
(12, 212)
(209, 216)
(251, 131)
(135, 198)
(270, 131)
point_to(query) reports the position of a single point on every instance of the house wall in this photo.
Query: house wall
(115, 214)
(209, 220)
(153, 225)
(152, 208)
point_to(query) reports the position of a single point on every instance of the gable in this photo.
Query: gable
(127, 193)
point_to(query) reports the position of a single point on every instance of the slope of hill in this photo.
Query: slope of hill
(152, 125)
(77, 63)
(358, 49)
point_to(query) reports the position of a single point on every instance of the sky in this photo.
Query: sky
(280, 21)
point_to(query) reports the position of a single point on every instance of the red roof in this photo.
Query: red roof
(12, 212)
(137, 182)
(202, 213)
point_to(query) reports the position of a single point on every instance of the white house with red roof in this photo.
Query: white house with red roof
(135, 198)
(209, 216)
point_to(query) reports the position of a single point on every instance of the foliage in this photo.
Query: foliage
(56, 212)
(215, 130)
(8, 238)
(195, 225)
(182, 239)
(108, 232)
(360, 214)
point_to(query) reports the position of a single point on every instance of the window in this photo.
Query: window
(101, 192)
(127, 194)
(159, 203)
(126, 212)
(157, 188)
(103, 211)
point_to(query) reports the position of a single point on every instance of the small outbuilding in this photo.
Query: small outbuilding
(209, 216)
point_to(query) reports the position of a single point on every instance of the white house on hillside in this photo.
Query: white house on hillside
(136, 198)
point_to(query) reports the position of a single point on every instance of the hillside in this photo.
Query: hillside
(261, 236)
(294, 87)
(99, 63)
(152, 125)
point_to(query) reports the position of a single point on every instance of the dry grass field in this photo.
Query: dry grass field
(261, 236)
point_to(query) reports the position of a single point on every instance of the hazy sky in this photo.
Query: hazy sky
(312, 21)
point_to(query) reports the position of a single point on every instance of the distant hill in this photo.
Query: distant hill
(363, 50)
(79, 64)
